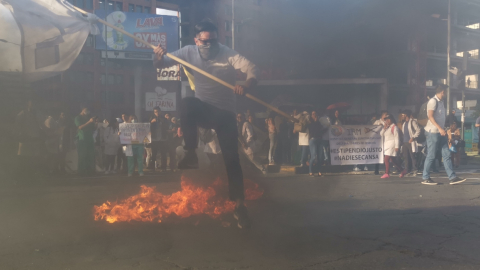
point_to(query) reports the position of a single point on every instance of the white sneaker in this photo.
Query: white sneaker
(365, 168)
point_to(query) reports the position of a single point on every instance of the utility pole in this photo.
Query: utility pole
(233, 24)
(448, 56)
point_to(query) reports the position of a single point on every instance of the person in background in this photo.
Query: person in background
(172, 134)
(437, 139)
(325, 122)
(315, 132)
(247, 137)
(335, 118)
(294, 140)
(121, 157)
(272, 135)
(303, 138)
(64, 147)
(282, 139)
(111, 138)
(99, 144)
(168, 117)
(124, 118)
(477, 125)
(380, 122)
(53, 133)
(391, 145)
(250, 120)
(134, 152)
(159, 129)
(453, 133)
(411, 130)
(248, 114)
(85, 124)
(450, 119)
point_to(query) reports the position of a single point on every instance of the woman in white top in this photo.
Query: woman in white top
(391, 145)
(112, 144)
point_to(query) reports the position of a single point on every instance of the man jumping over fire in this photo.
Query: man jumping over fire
(214, 104)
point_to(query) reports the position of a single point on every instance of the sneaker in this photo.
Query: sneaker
(457, 180)
(365, 168)
(402, 174)
(416, 172)
(410, 174)
(190, 161)
(241, 215)
(356, 169)
(419, 172)
(385, 176)
(429, 182)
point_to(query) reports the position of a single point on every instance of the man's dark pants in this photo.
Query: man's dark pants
(198, 113)
(164, 147)
(409, 157)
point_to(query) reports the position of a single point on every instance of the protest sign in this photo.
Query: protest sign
(133, 133)
(355, 145)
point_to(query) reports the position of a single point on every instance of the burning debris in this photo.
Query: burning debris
(152, 206)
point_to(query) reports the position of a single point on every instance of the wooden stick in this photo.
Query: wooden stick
(201, 71)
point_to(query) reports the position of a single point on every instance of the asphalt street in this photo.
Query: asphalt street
(332, 222)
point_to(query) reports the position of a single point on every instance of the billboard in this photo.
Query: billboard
(167, 101)
(155, 29)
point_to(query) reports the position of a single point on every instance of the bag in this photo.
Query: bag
(422, 118)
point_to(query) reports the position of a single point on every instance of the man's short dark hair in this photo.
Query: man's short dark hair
(440, 88)
(205, 25)
(407, 113)
(157, 108)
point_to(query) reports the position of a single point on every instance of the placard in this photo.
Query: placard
(356, 145)
(135, 133)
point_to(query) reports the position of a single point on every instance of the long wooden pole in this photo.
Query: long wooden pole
(201, 71)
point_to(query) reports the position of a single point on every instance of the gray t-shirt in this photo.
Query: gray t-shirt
(436, 105)
(223, 67)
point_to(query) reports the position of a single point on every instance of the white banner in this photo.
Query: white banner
(355, 145)
(133, 133)
(167, 101)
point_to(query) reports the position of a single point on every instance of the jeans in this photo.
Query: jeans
(303, 161)
(273, 146)
(316, 153)
(434, 142)
(326, 149)
(137, 150)
(198, 113)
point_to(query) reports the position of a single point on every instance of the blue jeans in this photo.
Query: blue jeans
(434, 141)
(303, 161)
(316, 152)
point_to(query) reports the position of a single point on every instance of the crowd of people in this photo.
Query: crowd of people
(97, 143)
(412, 146)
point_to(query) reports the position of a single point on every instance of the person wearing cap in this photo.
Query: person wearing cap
(391, 144)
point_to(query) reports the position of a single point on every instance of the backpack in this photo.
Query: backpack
(301, 125)
(422, 118)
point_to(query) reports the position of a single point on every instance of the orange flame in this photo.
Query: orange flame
(150, 205)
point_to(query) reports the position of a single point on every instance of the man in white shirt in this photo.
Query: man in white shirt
(214, 104)
(436, 137)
